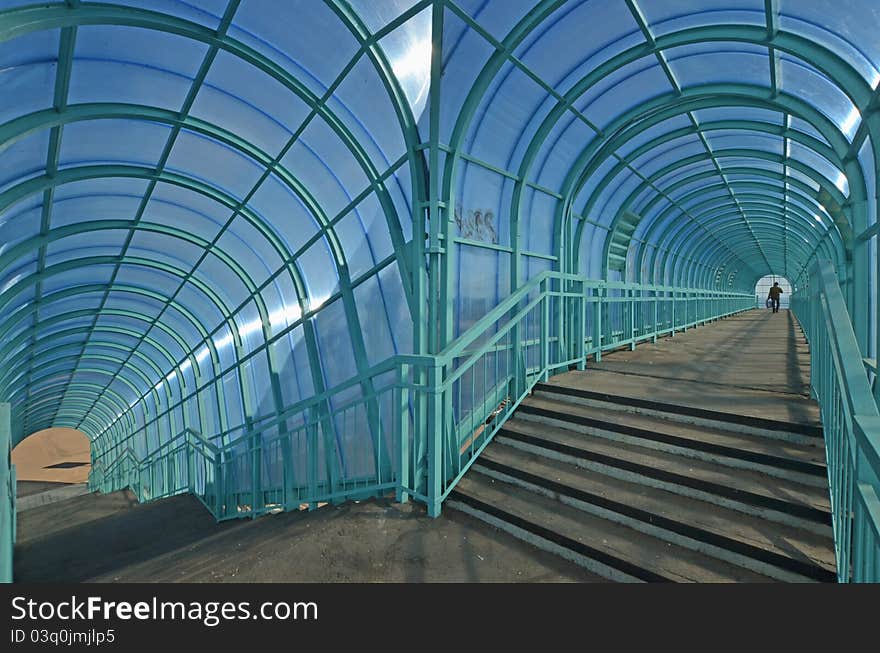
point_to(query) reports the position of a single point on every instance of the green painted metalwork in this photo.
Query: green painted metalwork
(468, 418)
(850, 421)
(7, 495)
(230, 393)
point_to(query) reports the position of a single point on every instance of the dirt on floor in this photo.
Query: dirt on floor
(111, 538)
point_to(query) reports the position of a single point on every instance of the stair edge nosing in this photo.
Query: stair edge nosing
(693, 411)
(737, 552)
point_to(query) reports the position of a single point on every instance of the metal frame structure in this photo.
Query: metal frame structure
(275, 289)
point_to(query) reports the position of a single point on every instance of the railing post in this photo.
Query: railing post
(597, 324)
(672, 334)
(686, 298)
(582, 331)
(256, 467)
(190, 465)
(545, 333)
(436, 427)
(7, 496)
(656, 317)
(632, 319)
(402, 433)
(219, 499)
(312, 428)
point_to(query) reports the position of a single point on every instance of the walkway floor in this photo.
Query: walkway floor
(109, 537)
(754, 364)
(698, 458)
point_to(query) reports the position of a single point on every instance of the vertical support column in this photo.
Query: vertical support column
(440, 264)
(545, 330)
(686, 298)
(436, 425)
(190, 463)
(876, 294)
(219, 486)
(597, 324)
(7, 496)
(632, 319)
(656, 317)
(312, 429)
(402, 419)
(582, 330)
(256, 444)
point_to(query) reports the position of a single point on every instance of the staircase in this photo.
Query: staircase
(638, 490)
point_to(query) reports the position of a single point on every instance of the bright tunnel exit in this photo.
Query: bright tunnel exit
(762, 288)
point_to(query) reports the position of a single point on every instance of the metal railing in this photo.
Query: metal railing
(850, 421)
(412, 425)
(7, 496)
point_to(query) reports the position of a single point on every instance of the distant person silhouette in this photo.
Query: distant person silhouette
(773, 296)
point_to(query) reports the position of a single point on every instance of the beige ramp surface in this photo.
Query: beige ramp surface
(59, 455)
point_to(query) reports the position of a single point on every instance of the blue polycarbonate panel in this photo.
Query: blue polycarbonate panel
(24, 158)
(371, 118)
(496, 19)
(672, 15)
(709, 63)
(561, 149)
(509, 106)
(465, 52)
(819, 164)
(805, 127)
(204, 159)
(628, 87)
(204, 12)
(20, 224)
(870, 167)
(408, 50)
(212, 211)
(27, 70)
(540, 210)
(731, 139)
(133, 142)
(747, 113)
(805, 82)
(848, 32)
(572, 58)
(133, 65)
(299, 45)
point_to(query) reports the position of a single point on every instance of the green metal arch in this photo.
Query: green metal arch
(60, 268)
(722, 224)
(717, 213)
(830, 63)
(23, 336)
(795, 245)
(135, 370)
(10, 375)
(20, 21)
(694, 98)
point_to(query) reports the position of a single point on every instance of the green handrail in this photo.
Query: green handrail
(435, 413)
(7, 496)
(850, 420)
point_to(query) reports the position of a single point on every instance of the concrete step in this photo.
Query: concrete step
(753, 492)
(798, 462)
(689, 414)
(782, 552)
(600, 545)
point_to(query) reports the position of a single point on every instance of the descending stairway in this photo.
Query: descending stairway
(640, 490)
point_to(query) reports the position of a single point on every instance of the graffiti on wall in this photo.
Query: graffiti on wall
(476, 224)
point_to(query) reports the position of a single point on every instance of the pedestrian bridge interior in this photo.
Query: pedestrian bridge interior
(279, 255)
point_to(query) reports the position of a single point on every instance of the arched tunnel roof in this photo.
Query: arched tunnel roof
(211, 210)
